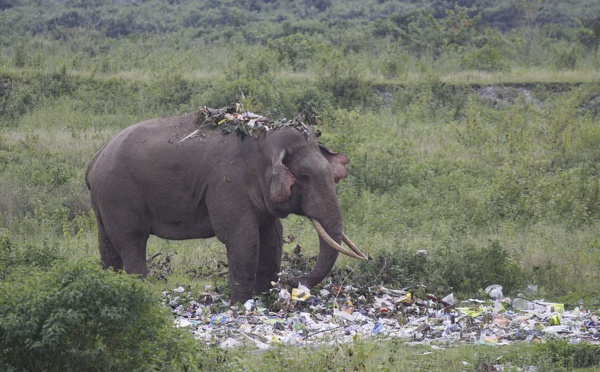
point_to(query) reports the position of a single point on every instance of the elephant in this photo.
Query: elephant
(177, 179)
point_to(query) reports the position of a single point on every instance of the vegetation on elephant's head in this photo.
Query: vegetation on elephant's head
(234, 120)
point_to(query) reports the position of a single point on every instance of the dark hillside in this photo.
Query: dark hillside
(125, 17)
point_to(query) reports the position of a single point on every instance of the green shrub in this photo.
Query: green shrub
(16, 99)
(395, 64)
(174, 91)
(486, 58)
(566, 55)
(457, 267)
(34, 256)
(80, 317)
(19, 54)
(296, 50)
(566, 355)
(344, 80)
(467, 269)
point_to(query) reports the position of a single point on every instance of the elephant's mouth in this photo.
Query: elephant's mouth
(355, 253)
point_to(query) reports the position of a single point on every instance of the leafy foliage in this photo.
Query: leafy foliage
(571, 356)
(78, 316)
(14, 258)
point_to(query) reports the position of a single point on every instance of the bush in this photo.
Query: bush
(487, 59)
(566, 55)
(80, 317)
(468, 269)
(13, 257)
(563, 354)
(344, 80)
(295, 50)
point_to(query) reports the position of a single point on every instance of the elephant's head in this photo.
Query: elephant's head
(303, 175)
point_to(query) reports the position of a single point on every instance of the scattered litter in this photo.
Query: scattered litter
(248, 305)
(494, 291)
(333, 314)
(523, 304)
(299, 294)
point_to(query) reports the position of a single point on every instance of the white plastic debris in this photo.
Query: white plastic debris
(494, 291)
(248, 305)
(449, 299)
(230, 342)
(353, 317)
(182, 322)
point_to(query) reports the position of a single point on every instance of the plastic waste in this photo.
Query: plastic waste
(218, 319)
(301, 293)
(248, 305)
(552, 306)
(526, 305)
(449, 299)
(377, 328)
(230, 342)
(494, 291)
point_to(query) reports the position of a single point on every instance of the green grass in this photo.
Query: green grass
(523, 76)
(394, 355)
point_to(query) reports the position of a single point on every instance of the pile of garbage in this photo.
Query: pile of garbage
(245, 123)
(340, 314)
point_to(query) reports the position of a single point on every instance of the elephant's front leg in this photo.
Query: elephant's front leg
(236, 226)
(242, 258)
(269, 261)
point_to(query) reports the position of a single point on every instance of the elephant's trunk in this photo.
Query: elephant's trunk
(328, 252)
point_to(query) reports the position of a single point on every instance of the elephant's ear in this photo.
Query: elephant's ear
(337, 162)
(281, 179)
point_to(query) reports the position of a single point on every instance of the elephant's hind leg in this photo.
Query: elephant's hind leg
(132, 250)
(108, 254)
(269, 262)
(122, 243)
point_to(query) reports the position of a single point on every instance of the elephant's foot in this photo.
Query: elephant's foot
(292, 281)
(263, 285)
(241, 293)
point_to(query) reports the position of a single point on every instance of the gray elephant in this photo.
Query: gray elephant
(184, 177)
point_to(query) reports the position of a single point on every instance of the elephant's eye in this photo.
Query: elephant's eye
(303, 177)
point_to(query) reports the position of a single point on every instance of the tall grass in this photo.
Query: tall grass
(507, 177)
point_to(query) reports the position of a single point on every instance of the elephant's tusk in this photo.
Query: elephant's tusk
(353, 247)
(355, 253)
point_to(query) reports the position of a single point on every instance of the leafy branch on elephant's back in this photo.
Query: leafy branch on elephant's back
(234, 119)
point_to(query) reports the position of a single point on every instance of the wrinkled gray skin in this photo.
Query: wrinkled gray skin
(149, 179)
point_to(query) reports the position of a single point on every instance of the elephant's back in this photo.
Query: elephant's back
(143, 139)
(172, 145)
(136, 144)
